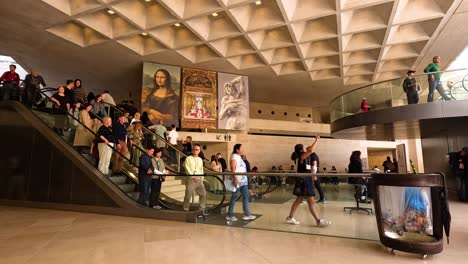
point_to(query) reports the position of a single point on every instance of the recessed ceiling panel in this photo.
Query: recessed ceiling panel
(359, 69)
(288, 68)
(325, 74)
(308, 9)
(413, 32)
(253, 17)
(320, 48)
(426, 9)
(233, 46)
(281, 55)
(271, 38)
(323, 63)
(406, 50)
(368, 18)
(315, 29)
(363, 40)
(361, 57)
(396, 65)
(246, 61)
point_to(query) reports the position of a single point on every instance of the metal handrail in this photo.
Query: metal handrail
(391, 80)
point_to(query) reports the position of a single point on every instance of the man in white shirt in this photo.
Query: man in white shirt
(194, 166)
(173, 136)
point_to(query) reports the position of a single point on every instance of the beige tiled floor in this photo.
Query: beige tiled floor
(46, 236)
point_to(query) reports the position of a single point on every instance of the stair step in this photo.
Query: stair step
(127, 188)
(118, 179)
(172, 182)
(134, 195)
(170, 178)
(172, 188)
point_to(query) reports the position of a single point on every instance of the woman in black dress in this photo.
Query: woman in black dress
(61, 108)
(304, 187)
(355, 166)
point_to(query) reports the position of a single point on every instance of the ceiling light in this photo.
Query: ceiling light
(110, 12)
(258, 2)
(144, 34)
(177, 24)
(147, 0)
(214, 14)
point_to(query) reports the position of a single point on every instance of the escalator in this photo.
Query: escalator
(43, 169)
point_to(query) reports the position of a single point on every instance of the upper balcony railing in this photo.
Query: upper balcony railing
(386, 94)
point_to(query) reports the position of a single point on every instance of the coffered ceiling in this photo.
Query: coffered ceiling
(295, 52)
(353, 40)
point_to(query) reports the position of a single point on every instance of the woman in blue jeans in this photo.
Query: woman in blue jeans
(241, 182)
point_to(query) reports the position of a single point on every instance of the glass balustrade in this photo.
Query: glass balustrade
(453, 84)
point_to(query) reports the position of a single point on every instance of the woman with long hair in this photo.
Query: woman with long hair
(136, 138)
(304, 187)
(83, 136)
(215, 165)
(162, 103)
(241, 183)
(98, 107)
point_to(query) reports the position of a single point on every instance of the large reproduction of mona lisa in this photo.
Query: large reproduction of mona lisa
(161, 93)
(199, 98)
(233, 91)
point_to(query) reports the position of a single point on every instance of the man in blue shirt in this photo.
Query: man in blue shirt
(120, 137)
(145, 171)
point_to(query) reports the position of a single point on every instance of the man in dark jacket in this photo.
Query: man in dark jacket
(145, 171)
(32, 87)
(410, 88)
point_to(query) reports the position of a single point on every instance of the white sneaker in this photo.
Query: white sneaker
(323, 223)
(157, 207)
(248, 217)
(292, 221)
(233, 218)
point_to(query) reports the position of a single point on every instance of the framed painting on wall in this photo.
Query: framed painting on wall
(233, 91)
(199, 100)
(160, 94)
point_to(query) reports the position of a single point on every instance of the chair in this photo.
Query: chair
(357, 196)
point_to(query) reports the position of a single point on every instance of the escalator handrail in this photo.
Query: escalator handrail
(149, 131)
(174, 173)
(114, 149)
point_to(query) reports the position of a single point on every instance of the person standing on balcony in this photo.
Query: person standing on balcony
(433, 78)
(410, 88)
(364, 105)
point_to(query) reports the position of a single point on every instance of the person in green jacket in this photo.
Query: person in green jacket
(434, 80)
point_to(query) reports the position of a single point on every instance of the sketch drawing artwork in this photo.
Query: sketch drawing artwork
(234, 104)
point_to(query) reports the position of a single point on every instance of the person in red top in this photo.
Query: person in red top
(10, 81)
(364, 106)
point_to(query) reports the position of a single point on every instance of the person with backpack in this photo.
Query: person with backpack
(304, 187)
